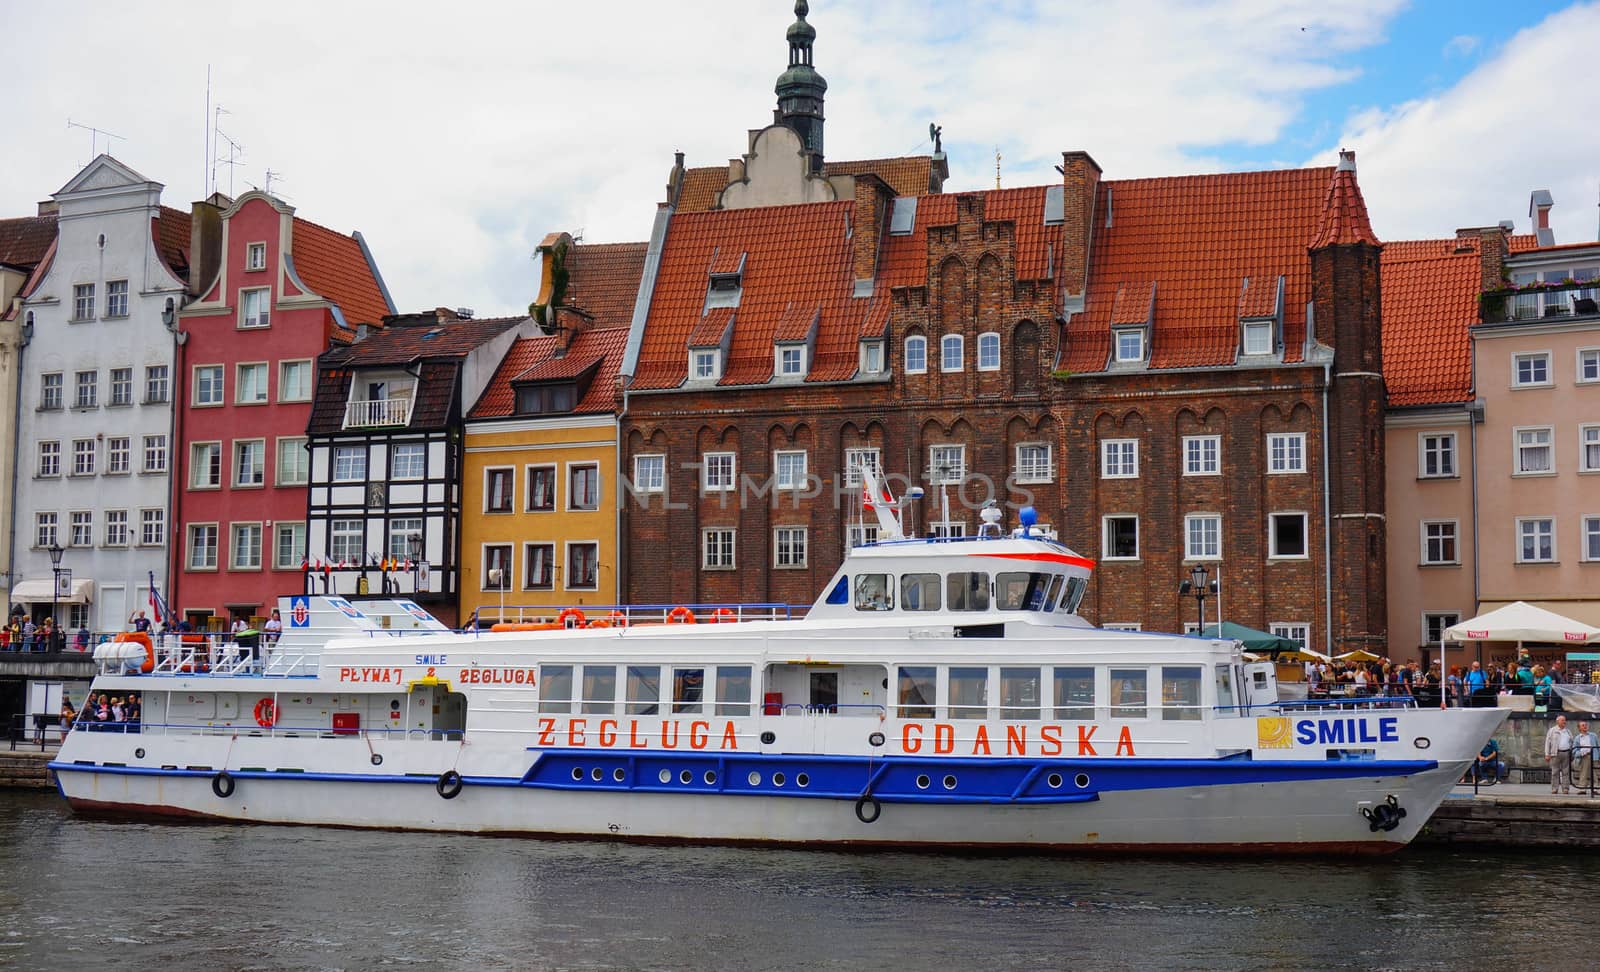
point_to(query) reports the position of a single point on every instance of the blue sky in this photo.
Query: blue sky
(456, 142)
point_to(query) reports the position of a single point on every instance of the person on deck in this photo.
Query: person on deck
(1558, 753)
(1584, 747)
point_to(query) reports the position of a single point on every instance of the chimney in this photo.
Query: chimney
(867, 225)
(1539, 204)
(1492, 247)
(205, 244)
(1080, 179)
(49, 207)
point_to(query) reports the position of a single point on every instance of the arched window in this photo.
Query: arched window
(916, 354)
(989, 352)
(951, 353)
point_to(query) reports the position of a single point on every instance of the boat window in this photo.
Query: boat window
(644, 689)
(840, 593)
(555, 688)
(967, 590)
(1074, 693)
(733, 690)
(688, 684)
(1055, 588)
(600, 689)
(872, 592)
(916, 692)
(1019, 693)
(1070, 600)
(1021, 590)
(1225, 691)
(919, 592)
(1180, 692)
(969, 693)
(1129, 694)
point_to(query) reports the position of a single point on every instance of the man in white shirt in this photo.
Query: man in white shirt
(1558, 753)
(1584, 747)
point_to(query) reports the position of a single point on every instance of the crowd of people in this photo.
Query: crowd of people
(103, 712)
(1472, 684)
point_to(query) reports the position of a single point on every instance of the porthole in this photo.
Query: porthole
(139, 753)
(577, 774)
(876, 739)
(685, 777)
(923, 782)
(802, 780)
(710, 778)
(768, 738)
(1422, 742)
(950, 782)
(778, 779)
(664, 776)
(618, 775)
(1054, 779)
(597, 774)
(754, 779)
(1081, 780)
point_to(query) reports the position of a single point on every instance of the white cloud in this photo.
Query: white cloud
(454, 138)
(1460, 45)
(1471, 155)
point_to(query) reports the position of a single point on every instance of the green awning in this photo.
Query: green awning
(1253, 640)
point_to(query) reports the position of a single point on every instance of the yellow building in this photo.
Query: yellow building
(539, 481)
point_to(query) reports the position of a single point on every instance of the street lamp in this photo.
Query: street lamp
(1198, 587)
(55, 587)
(414, 544)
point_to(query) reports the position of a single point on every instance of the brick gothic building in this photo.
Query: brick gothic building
(1154, 364)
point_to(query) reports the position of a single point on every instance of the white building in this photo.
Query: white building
(94, 429)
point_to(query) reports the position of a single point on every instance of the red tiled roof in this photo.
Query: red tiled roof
(603, 280)
(1198, 238)
(729, 260)
(711, 327)
(1430, 302)
(333, 266)
(171, 233)
(534, 358)
(403, 343)
(908, 176)
(795, 322)
(24, 240)
(1132, 303)
(1258, 295)
(904, 259)
(1344, 212)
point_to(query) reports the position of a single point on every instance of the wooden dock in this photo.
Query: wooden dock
(1515, 815)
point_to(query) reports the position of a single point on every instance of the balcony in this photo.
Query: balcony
(1568, 299)
(377, 413)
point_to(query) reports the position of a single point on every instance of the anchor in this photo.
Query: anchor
(1385, 816)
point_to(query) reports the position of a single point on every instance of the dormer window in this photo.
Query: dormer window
(1258, 337)
(871, 357)
(791, 361)
(705, 364)
(1130, 344)
(547, 399)
(726, 281)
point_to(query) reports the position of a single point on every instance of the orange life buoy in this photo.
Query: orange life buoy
(680, 615)
(618, 619)
(724, 615)
(600, 623)
(524, 626)
(266, 713)
(570, 614)
(139, 637)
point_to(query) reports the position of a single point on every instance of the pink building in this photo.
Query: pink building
(273, 292)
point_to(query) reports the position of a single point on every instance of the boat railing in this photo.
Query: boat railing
(1338, 703)
(280, 730)
(545, 616)
(829, 708)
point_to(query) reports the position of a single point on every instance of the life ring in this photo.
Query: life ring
(723, 615)
(449, 784)
(572, 614)
(266, 713)
(524, 626)
(862, 805)
(222, 785)
(618, 619)
(600, 623)
(140, 638)
(680, 615)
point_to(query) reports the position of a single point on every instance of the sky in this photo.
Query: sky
(454, 138)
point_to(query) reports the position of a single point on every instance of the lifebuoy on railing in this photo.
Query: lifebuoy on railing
(266, 713)
(140, 638)
(600, 623)
(573, 615)
(680, 615)
(618, 619)
(723, 615)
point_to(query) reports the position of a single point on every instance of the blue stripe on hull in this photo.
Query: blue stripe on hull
(892, 779)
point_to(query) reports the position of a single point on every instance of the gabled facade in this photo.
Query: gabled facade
(95, 424)
(386, 452)
(276, 292)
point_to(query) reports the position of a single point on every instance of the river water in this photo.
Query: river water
(93, 895)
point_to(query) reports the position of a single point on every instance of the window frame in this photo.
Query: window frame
(86, 394)
(159, 379)
(350, 474)
(719, 460)
(80, 528)
(1105, 538)
(191, 547)
(508, 505)
(152, 516)
(1257, 328)
(263, 395)
(957, 473)
(989, 341)
(84, 460)
(298, 555)
(785, 355)
(49, 402)
(657, 481)
(119, 446)
(416, 455)
(234, 530)
(1190, 521)
(47, 459)
(852, 468)
(797, 537)
(83, 296)
(1517, 448)
(1531, 357)
(212, 463)
(571, 547)
(711, 358)
(487, 563)
(1523, 537)
(920, 341)
(1589, 538)
(947, 344)
(1586, 356)
(1291, 463)
(259, 479)
(728, 550)
(529, 560)
(1036, 472)
(46, 528)
(1584, 432)
(1446, 450)
(263, 315)
(154, 445)
(1200, 441)
(1425, 558)
(121, 389)
(536, 472)
(113, 311)
(285, 383)
(252, 250)
(1272, 535)
(778, 472)
(345, 533)
(574, 469)
(865, 363)
(220, 391)
(116, 520)
(1118, 334)
(1107, 446)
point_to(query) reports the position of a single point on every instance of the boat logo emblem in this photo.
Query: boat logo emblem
(1274, 732)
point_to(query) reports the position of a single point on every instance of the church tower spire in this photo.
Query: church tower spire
(800, 89)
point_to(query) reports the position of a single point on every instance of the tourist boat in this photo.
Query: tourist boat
(938, 693)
